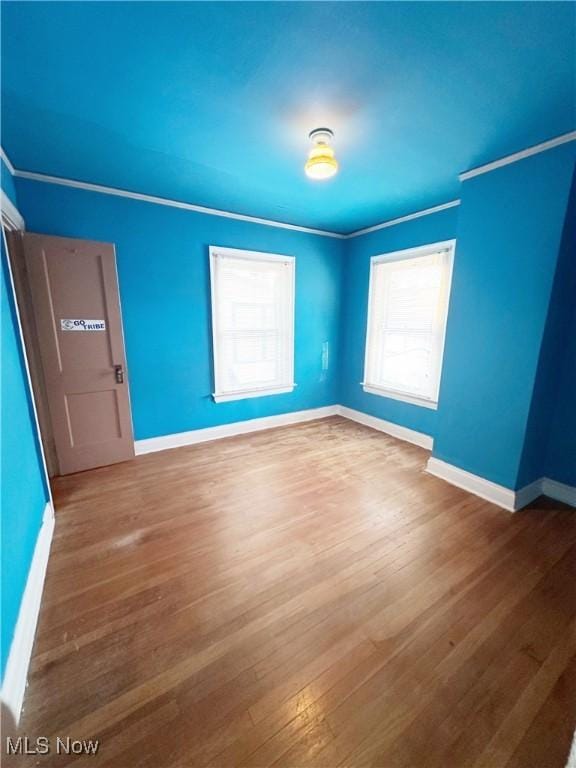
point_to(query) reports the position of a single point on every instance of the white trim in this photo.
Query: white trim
(572, 756)
(195, 436)
(527, 494)
(559, 491)
(11, 216)
(230, 430)
(414, 253)
(270, 222)
(6, 159)
(245, 394)
(394, 430)
(242, 253)
(537, 148)
(497, 494)
(171, 203)
(18, 662)
(402, 219)
(89, 187)
(404, 398)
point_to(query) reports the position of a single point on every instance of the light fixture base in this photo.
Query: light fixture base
(321, 135)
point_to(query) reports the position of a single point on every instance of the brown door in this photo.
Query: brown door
(76, 308)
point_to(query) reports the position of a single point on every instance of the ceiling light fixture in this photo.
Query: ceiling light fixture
(321, 163)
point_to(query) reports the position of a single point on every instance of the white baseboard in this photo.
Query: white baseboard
(559, 491)
(546, 487)
(499, 494)
(16, 674)
(572, 756)
(524, 496)
(395, 430)
(269, 422)
(230, 430)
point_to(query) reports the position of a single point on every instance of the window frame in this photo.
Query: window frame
(404, 255)
(239, 253)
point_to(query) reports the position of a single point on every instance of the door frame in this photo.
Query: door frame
(30, 334)
(13, 221)
(40, 326)
(13, 229)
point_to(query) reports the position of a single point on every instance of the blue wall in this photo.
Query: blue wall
(428, 229)
(550, 447)
(503, 367)
(509, 234)
(561, 454)
(24, 494)
(163, 267)
(506, 397)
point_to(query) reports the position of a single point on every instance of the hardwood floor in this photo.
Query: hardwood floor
(305, 596)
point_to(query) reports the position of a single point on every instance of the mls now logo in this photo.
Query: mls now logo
(23, 745)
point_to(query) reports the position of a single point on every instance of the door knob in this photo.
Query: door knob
(119, 373)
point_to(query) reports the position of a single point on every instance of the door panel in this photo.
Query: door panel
(77, 311)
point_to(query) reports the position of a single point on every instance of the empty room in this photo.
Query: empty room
(288, 384)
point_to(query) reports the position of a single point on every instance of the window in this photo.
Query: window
(252, 323)
(408, 304)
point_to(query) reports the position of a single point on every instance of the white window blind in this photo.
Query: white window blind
(408, 305)
(252, 323)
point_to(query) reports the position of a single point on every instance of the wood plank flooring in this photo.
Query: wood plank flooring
(305, 596)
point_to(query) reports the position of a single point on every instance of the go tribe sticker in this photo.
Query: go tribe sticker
(70, 324)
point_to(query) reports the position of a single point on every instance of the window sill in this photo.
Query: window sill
(226, 397)
(403, 397)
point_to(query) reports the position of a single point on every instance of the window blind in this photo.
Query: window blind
(253, 322)
(407, 318)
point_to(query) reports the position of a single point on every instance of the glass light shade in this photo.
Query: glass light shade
(321, 162)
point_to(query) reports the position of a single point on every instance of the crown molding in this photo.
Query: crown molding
(89, 187)
(536, 149)
(402, 219)
(6, 159)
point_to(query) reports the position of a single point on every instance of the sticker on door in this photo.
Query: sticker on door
(80, 324)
